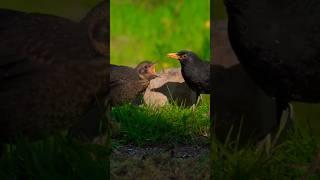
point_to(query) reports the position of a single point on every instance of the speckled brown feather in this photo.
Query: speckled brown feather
(126, 91)
(126, 83)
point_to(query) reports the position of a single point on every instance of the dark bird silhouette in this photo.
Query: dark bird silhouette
(52, 38)
(242, 112)
(195, 72)
(127, 83)
(54, 73)
(278, 44)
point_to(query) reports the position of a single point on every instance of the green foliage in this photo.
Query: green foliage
(150, 29)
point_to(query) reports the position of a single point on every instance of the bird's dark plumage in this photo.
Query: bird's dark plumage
(53, 71)
(42, 37)
(127, 83)
(195, 72)
(278, 44)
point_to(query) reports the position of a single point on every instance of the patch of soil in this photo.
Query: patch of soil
(160, 162)
(178, 151)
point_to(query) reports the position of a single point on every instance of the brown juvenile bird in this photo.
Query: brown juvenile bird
(53, 73)
(127, 83)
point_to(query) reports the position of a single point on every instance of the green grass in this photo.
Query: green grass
(288, 160)
(151, 29)
(144, 125)
(54, 158)
(172, 124)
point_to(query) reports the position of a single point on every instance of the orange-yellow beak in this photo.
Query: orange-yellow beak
(173, 56)
(152, 69)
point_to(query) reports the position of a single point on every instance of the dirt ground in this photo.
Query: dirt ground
(160, 162)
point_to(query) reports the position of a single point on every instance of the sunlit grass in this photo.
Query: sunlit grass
(143, 125)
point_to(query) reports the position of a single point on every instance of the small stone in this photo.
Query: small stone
(169, 87)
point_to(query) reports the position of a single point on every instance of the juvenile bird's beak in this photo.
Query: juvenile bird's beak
(173, 56)
(152, 70)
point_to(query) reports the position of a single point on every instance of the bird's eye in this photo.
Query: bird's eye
(184, 56)
(146, 66)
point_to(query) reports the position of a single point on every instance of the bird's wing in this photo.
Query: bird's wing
(206, 78)
(115, 83)
(202, 77)
(123, 73)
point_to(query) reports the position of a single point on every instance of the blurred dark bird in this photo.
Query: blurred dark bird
(52, 38)
(278, 44)
(195, 71)
(54, 73)
(127, 83)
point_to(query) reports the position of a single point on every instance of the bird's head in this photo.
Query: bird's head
(184, 56)
(97, 22)
(146, 70)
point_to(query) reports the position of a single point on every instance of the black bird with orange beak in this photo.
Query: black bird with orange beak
(195, 72)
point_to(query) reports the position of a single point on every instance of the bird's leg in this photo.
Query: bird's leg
(193, 107)
(290, 116)
(284, 112)
(199, 99)
(287, 121)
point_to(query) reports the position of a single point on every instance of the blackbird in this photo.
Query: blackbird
(278, 44)
(54, 73)
(243, 114)
(195, 72)
(127, 83)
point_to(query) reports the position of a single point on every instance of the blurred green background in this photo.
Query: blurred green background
(72, 9)
(149, 29)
